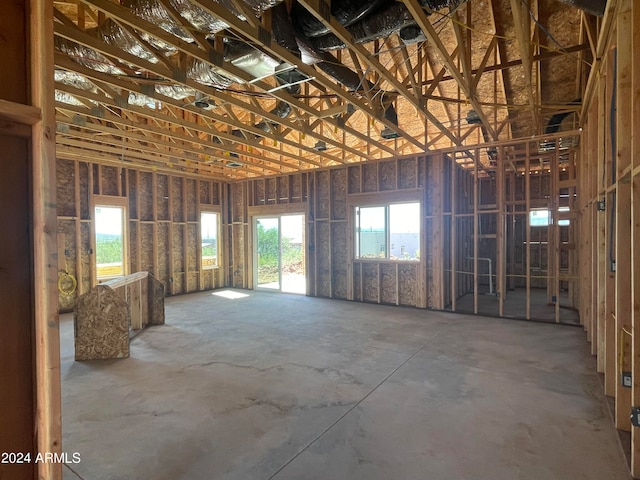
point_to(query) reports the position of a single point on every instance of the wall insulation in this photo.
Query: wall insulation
(163, 229)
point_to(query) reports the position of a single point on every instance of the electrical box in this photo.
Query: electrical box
(626, 379)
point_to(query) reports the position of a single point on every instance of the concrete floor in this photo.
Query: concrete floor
(287, 387)
(516, 306)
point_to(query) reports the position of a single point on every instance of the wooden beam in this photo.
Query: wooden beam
(48, 427)
(421, 19)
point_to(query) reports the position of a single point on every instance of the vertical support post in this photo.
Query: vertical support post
(476, 228)
(45, 269)
(500, 231)
(527, 195)
(438, 232)
(454, 246)
(624, 133)
(635, 237)
(555, 197)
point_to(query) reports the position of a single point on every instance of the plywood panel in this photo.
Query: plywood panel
(357, 281)
(339, 194)
(355, 173)
(388, 175)
(370, 282)
(86, 258)
(109, 180)
(177, 204)
(133, 193)
(296, 187)
(339, 259)
(370, 177)
(146, 255)
(101, 325)
(323, 258)
(146, 196)
(205, 192)
(283, 189)
(162, 198)
(407, 284)
(133, 246)
(164, 246)
(65, 188)
(388, 283)
(216, 196)
(83, 169)
(178, 258)
(192, 200)
(407, 173)
(323, 194)
(259, 192)
(270, 191)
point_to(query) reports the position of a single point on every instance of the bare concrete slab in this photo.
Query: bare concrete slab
(269, 386)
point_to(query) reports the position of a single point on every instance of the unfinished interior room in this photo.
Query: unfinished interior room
(314, 239)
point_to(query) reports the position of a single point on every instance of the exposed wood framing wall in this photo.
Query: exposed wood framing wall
(471, 213)
(163, 230)
(609, 186)
(30, 420)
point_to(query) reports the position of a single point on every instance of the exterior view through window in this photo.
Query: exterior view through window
(109, 242)
(388, 231)
(209, 236)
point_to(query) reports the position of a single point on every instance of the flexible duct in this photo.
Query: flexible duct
(64, 97)
(594, 7)
(154, 12)
(346, 12)
(201, 19)
(114, 35)
(375, 26)
(86, 56)
(73, 79)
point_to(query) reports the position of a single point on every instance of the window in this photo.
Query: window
(388, 231)
(109, 241)
(209, 236)
(542, 217)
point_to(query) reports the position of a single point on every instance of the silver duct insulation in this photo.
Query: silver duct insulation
(201, 19)
(87, 57)
(64, 97)
(153, 11)
(114, 35)
(205, 74)
(139, 99)
(73, 80)
(374, 27)
(594, 7)
(177, 92)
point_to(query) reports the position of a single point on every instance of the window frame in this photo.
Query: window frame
(385, 202)
(108, 201)
(218, 256)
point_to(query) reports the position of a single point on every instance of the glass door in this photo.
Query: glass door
(268, 253)
(280, 247)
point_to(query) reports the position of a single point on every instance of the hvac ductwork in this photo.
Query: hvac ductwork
(594, 7)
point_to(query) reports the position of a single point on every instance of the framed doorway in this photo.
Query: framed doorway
(279, 253)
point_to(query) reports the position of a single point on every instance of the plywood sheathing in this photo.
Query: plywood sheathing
(101, 325)
(339, 260)
(65, 188)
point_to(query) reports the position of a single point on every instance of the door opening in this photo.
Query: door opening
(280, 254)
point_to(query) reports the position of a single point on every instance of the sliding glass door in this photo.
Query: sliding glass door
(279, 259)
